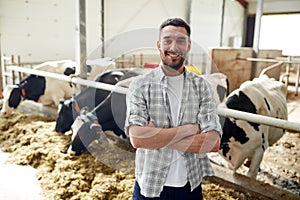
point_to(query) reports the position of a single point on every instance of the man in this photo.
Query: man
(172, 122)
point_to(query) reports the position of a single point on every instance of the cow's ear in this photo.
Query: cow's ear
(61, 101)
(14, 98)
(69, 71)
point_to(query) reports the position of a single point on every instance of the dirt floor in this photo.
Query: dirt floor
(106, 172)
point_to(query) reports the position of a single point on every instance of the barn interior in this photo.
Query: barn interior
(239, 38)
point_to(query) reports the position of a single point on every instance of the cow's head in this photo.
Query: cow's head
(219, 84)
(85, 130)
(15, 97)
(67, 112)
(30, 88)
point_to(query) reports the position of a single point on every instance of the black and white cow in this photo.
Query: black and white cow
(112, 113)
(47, 91)
(89, 97)
(243, 140)
(88, 127)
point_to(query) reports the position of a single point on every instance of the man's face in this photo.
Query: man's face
(174, 45)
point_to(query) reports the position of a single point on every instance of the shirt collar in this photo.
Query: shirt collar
(161, 75)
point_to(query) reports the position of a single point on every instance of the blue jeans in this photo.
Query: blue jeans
(171, 193)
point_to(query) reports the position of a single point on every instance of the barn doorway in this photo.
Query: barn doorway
(281, 31)
(278, 31)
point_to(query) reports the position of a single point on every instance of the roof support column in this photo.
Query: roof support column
(259, 11)
(80, 39)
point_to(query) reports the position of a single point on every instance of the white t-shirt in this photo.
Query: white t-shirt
(177, 176)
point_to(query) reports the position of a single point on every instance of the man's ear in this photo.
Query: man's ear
(158, 44)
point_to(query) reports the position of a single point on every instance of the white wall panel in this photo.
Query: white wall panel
(123, 16)
(93, 25)
(206, 21)
(37, 30)
(233, 23)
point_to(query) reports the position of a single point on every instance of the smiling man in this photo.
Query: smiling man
(172, 122)
(174, 44)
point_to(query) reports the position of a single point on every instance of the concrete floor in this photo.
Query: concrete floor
(18, 182)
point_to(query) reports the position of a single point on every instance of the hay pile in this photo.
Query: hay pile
(30, 140)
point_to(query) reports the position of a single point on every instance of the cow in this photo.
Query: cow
(44, 90)
(111, 114)
(246, 141)
(89, 97)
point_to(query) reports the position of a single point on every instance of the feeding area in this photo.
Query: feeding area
(31, 141)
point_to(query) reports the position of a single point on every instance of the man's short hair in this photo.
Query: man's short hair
(176, 22)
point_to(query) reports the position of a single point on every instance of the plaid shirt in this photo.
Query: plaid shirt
(147, 100)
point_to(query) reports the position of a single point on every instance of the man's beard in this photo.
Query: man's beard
(174, 66)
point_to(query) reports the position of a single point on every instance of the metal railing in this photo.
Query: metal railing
(260, 119)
